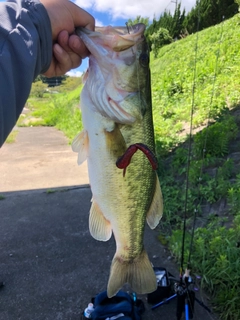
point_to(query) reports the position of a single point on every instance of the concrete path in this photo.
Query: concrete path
(50, 264)
(40, 158)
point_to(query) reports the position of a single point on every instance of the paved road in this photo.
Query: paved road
(50, 264)
(40, 158)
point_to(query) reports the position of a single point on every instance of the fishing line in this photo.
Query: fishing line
(189, 301)
(167, 5)
(203, 155)
(189, 148)
(127, 26)
(190, 133)
(206, 137)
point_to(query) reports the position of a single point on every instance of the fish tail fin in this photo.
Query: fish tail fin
(138, 274)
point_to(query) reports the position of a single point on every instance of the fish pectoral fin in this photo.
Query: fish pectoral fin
(80, 145)
(138, 273)
(156, 209)
(100, 228)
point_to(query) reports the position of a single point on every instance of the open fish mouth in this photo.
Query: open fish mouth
(107, 44)
(115, 78)
(116, 38)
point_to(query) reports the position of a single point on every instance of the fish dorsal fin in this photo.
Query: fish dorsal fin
(156, 210)
(80, 145)
(100, 228)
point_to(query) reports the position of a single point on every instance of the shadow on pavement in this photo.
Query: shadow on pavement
(50, 264)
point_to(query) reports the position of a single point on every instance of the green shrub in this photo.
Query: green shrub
(160, 38)
(214, 140)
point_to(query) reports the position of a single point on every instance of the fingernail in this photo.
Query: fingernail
(58, 48)
(76, 44)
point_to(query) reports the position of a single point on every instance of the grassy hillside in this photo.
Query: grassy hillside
(210, 60)
(199, 74)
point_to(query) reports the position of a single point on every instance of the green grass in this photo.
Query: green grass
(60, 110)
(12, 137)
(201, 73)
(212, 179)
(216, 259)
(50, 191)
(210, 61)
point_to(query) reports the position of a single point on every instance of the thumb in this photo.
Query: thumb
(82, 18)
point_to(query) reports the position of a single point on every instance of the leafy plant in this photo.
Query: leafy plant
(160, 38)
(216, 258)
(214, 140)
(233, 196)
(60, 110)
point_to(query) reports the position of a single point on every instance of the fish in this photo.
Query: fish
(118, 143)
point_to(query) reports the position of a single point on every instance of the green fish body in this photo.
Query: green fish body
(117, 114)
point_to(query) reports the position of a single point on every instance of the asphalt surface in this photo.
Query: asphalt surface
(50, 264)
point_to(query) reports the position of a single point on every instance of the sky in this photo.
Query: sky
(117, 13)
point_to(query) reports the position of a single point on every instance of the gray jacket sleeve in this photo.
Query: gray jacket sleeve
(25, 52)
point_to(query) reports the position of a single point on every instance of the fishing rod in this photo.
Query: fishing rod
(186, 296)
(189, 295)
(183, 293)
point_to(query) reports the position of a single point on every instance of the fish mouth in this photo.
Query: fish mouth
(114, 53)
(107, 43)
(124, 37)
(115, 38)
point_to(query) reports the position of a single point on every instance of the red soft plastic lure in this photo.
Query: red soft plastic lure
(124, 161)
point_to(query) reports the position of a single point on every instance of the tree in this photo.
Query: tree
(160, 38)
(176, 27)
(238, 3)
(137, 20)
(172, 23)
(207, 13)
(38, 89)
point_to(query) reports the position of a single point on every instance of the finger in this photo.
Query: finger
(63, 39)
(65, 61)
(77, 45)
(72, 45)
(74, 58)
(82, 18)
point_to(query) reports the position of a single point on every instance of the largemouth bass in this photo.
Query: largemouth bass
(117, 117)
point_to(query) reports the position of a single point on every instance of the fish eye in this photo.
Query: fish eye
(144, 59)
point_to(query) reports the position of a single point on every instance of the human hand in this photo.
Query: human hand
(68, 49)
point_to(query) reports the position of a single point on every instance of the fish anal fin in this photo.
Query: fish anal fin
(156, 209)
(100, 228)
(80, 145)
(138, 274)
